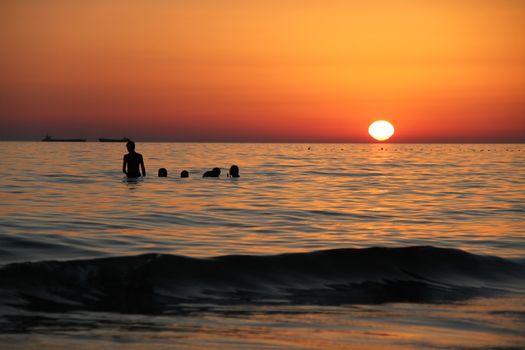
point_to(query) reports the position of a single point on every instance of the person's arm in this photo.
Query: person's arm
(142, 166)
(124, 161)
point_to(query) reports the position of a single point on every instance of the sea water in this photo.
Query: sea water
(315, 246)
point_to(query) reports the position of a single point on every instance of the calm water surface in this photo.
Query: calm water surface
(68, 201)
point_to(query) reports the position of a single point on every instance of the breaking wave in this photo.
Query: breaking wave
(155, 283)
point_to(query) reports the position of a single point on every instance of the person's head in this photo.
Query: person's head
(234, 171)
(163, 172)
(217, 171)
(184, 174)
(130, 146)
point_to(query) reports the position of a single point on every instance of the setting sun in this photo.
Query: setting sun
(381, 130)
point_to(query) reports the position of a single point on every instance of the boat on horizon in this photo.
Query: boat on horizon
(124, 139)
(50, 139)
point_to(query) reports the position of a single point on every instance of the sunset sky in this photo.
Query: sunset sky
(272, 70)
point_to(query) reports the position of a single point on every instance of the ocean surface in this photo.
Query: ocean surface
(315, 246)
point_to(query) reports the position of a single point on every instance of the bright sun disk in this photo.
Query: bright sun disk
(381, 130)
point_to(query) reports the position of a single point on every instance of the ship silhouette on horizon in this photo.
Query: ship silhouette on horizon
(124, 139)
(50, 139)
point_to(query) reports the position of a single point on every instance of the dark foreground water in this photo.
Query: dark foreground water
(314, 247)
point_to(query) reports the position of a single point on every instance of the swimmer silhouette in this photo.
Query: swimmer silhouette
(132, 161)
(184, 174)
(163, 172)
(212, 173)
(234, 171)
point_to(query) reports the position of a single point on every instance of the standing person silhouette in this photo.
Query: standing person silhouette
(132, 161)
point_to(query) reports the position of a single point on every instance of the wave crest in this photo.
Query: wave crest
(155, 283)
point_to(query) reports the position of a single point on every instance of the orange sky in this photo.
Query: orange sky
(272, 70)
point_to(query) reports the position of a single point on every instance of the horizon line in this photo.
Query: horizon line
(297, 142)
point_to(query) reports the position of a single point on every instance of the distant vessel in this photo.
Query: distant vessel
(124, 139)
(50, 139)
